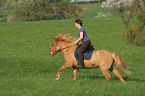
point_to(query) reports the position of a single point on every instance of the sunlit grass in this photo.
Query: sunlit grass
(93, 11)
(26, 69)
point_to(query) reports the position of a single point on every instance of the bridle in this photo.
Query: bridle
(54, 50)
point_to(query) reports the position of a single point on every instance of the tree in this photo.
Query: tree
(2, 2)
(132, 13)
(76, 1)
(99, 1)
(3, 10)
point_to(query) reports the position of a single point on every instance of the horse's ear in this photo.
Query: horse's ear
(55, 38)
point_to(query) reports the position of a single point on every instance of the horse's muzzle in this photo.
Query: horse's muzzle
(51, 54)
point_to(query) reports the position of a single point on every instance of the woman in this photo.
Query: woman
(85, 42)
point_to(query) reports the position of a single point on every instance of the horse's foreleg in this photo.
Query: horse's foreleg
(74, 73)
(58, 74)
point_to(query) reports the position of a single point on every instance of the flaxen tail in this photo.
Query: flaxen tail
(120, 62)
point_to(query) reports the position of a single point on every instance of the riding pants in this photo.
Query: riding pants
(83, 47)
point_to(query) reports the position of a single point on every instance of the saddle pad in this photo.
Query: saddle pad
(87, 56)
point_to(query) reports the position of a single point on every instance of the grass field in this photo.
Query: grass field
(26, 69)
(93, 11)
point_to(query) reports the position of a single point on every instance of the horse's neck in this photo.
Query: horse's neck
(68, 48)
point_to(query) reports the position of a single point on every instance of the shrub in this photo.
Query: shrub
(132, 13)
(14, 3)
(44, 10)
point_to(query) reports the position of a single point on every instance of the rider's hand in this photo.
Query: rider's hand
(76, 42)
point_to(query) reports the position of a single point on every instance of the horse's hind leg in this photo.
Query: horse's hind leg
(118, 74)
(106, 73)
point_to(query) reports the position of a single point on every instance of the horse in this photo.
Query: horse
(103, 59)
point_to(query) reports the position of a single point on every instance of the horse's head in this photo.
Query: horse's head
(55, 47)
(57, 43)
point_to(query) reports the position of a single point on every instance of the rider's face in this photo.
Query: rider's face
(76, 24)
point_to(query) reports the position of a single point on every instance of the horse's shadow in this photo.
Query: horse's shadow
(115, 78)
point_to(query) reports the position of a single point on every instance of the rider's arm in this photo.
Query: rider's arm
(80, 38)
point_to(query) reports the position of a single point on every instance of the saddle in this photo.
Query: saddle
(87, 53)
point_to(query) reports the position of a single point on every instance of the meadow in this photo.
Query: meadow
(26, 69)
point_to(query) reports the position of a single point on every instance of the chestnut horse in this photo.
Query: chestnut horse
(100, 58)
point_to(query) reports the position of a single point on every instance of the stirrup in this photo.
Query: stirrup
(78, 66)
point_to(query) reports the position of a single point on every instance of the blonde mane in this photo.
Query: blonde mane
(65, 38)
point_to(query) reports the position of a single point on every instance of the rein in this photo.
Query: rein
(64, 48)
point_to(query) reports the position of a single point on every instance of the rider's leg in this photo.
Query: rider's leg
(83, 47)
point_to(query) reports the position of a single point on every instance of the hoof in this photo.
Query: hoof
(74, 78)
(57, 78)
(123, 81)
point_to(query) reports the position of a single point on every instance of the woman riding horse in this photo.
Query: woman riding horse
(103, 59)
(86, 42)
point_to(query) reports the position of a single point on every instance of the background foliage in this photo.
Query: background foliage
(132, 13)
(44, 10)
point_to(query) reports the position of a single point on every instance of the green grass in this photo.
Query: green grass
(93, 11)
(26, 69)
